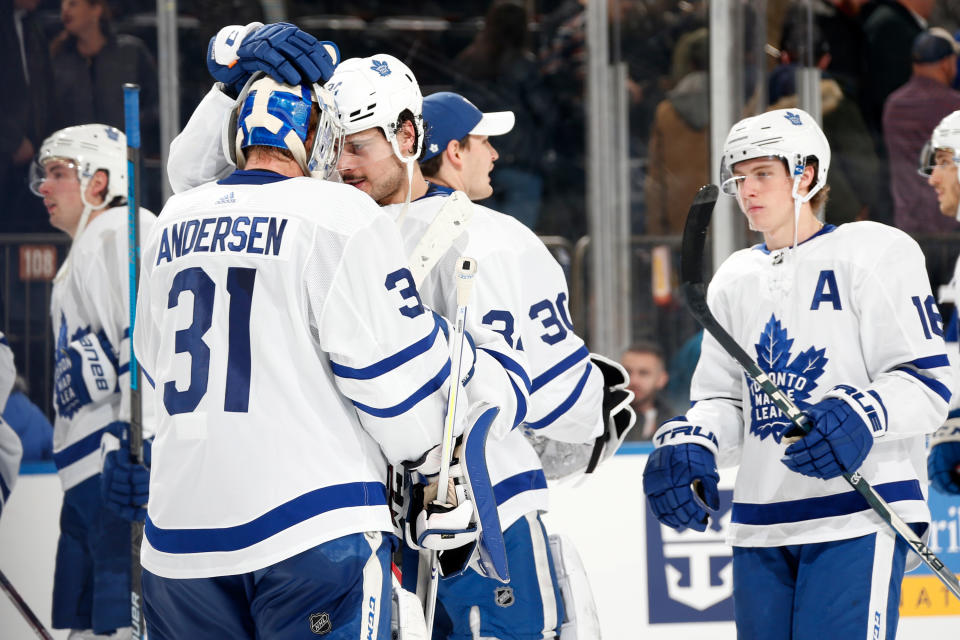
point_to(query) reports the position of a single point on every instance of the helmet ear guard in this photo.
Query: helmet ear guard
(89, 148)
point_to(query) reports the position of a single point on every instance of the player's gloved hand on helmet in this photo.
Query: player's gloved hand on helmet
(85, 373)
(684, 461)
(618, 415)
(124, 484)
(281, 50)
(844, 424)
(943, 463)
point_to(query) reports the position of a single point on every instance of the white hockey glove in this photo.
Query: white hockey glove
(406, 620)
(86, 373)
(618, 415)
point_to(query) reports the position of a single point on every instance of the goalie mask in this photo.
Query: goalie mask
(373, 92)
(271, 114)
(791, 135)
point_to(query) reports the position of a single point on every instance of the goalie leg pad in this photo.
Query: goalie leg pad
(581, 620)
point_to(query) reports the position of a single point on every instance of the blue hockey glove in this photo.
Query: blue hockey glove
(283, 51)
(86, 372)
(943, 465)
(845, 423)
(671, 471)
(125, 485)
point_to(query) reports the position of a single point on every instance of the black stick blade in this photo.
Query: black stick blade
(695, 234)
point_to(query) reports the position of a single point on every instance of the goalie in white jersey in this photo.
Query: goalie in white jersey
(292, 360)
(80, 173)
(842, 318)
(938, 163)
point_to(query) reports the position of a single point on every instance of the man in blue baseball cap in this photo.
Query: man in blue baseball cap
(458, 152)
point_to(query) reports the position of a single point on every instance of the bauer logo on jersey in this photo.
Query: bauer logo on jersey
(797, 377)
(690, 574)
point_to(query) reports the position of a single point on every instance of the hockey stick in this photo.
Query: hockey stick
(694, 293)
(131, 111)
(451, 220)
(24, 608)
(466, 270)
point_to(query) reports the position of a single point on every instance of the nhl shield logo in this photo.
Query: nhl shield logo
(503, 596)
(320, 623)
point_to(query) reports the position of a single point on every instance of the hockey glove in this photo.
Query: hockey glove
(283, 51)
(124, 484)
(845, 423)
(618, 415)
(943, 465)
(685, 455)
(86, 372)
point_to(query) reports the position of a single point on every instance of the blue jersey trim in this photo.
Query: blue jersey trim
(253, 176)
(931, 362)
(952, 332)
(934, 385)
(517, 484)
(436, 190)
(3, 340)
(389, 363)
(561, 367)
(147, 376)
(826, 229)
(521, 403)
(280, 518)
(431, 386)
(124, 368)
(840, 504)
(564, 406)
(510, 365)
(79, 449)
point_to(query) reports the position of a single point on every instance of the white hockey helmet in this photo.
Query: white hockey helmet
(273, 114)
(946, 136)
(373, 92)
(89, 148)
(790, 134)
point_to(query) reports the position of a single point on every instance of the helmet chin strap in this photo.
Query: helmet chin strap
(81, 225)
(409, 162)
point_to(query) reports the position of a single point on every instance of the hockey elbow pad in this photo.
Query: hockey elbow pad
(86, 373)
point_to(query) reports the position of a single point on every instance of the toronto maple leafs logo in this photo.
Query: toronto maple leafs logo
(794, 118)
(112, 133)
(798, 378)
(380, 66)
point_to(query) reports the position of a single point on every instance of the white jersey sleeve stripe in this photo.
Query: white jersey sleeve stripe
(510, 365)
(432, 385)
(563, 366)
(396, 360)
(79, 449)
(934, 385)
(564, 406)
(281, 517)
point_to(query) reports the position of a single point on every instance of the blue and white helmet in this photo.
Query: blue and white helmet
(790, 134)
(272, 114)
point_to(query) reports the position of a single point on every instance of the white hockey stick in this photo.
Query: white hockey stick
(694, 292)
(451, 220)
(466, 270)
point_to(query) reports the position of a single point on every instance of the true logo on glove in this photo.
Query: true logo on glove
(686, 430)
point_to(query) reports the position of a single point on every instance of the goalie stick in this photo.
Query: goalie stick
(693, 290)
(466, 270)
(131, 109)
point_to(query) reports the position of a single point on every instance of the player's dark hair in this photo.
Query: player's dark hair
(647, 346)
(116, 201)
(407, 116)
(432, 166)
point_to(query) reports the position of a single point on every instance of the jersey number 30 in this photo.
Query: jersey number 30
(240, 283)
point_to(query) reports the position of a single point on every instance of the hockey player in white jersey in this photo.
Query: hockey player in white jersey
(80, 173)
(938, 163)
(291, 359)
(11, 450)
(842, 318)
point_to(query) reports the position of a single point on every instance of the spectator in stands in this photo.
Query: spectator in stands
(679, 157)
(501, 73)
(890, 29)
(910, 114)
(854, 180)
(26, 418)
(645, 363)
(27, 81)
(91, 62)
